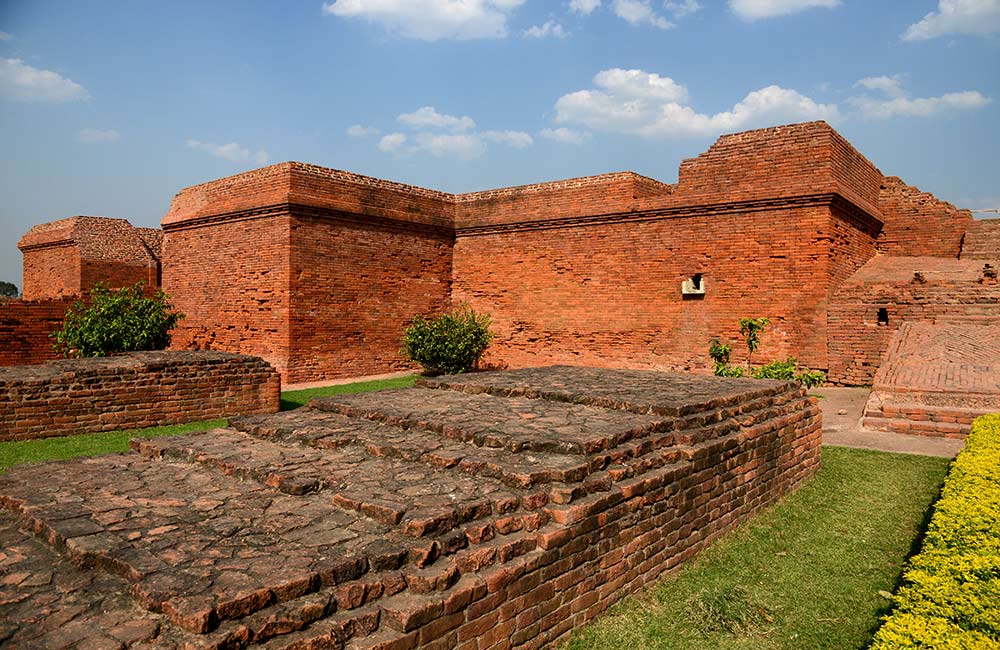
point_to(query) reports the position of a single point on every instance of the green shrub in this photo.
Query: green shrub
(720, 355)
(116, 321)
(950, 596)
(776, 370)
(451, 343)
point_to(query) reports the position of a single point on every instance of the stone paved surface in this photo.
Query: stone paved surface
(366, 520)
(937, 377)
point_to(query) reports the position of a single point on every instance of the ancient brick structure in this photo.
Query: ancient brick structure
(25, 326)
(496, 510)
(133, 390)
(937, 377)
(318, 270)
(67, 257)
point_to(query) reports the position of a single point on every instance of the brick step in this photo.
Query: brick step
(126, 514)
(636, 391)
(920, 428)
(414, 499)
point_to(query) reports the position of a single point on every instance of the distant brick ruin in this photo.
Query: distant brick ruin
(318, 270)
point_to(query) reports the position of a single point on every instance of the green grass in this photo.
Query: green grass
(88, 444)
(811, 572)
(293, 399)
(93, 444)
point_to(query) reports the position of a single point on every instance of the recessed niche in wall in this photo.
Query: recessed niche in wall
(693, 287)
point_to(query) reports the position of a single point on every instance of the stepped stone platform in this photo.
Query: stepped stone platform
(937, 377)
(494, 510)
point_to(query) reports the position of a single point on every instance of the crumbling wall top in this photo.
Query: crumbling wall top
(97, 239)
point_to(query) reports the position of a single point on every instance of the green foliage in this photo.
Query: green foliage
(811, 378)
(116, 321)
(750, 329)
(950, 596)
(728, 608)
(8, 290)
(452, 343)
(720, 355)
(777, 369)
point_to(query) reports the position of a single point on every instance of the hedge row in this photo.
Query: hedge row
(950, 598)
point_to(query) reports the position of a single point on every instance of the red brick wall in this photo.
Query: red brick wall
(610, 294)
(917, 223)
(982, 240)
(231, 281)
(858, 342)
(354, 286)
(134, 390)
(25, 326)
(51, 272)
(573, 197)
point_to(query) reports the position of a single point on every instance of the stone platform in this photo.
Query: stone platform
(937, 377)
(492, 510)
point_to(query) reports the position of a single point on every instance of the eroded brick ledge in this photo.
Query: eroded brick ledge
(496, 510)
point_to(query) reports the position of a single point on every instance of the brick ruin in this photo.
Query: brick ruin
(318, 270)
(487, 511)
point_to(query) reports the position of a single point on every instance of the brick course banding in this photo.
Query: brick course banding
(503, 508)
(132, 390)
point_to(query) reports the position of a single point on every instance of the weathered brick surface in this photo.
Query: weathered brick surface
(133, 390)
(937, 377)
(25, 328)
(982, 240)
(945, 288)
(484, 516)
(67, 257)
(918, 223)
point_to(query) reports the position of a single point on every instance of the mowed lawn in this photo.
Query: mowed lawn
(811, 572)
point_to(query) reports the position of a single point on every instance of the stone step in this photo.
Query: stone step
(412, 498)
(516, 424)
(638, 391)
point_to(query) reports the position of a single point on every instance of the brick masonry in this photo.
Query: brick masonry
(982, 240)
(495, 510)
(25, 328)
(945, 288)
(937, 377)
(133, 390)
(318, 270)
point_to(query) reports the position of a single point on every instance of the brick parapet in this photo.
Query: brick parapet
(133, 390)
(982, 240)
(918, 223)
(25, 329)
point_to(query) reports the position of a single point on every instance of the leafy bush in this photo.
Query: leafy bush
(751, 329)
(9, 289)
(950, 596)
(776, 370)
(116, 321)
(452, 343)
(720, 355)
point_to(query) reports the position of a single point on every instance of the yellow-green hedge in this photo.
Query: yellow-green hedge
(950, 598)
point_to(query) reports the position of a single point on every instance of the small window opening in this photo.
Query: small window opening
(696, 281)
(883, 316)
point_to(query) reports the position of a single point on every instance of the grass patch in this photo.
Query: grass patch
(88, 444)
(812, 572)
(94, 444)
(294, 399)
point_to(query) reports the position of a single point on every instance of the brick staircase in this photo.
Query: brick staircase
(491, 510)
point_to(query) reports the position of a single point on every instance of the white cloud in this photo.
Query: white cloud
(682, 7)
(976, 17)
(584, 6)
(4, 36)
(427, 117)
(895, 102)
(891, 86)
(637, 12)
(463, 145)
(550, 28)
(516, 139)
(564, 135)
(640, 85)
(431, 20)
(232, 151)
(755, 9)
(653, 112)
(392, 143)
(21, 82)
(359, 131)
(97, 136)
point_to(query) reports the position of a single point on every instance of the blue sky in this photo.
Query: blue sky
(110, 108)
